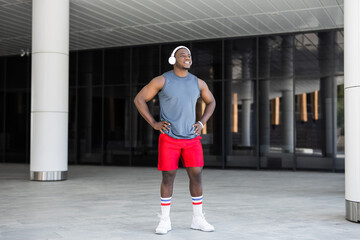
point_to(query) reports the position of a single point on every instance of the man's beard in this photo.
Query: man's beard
(186, 68)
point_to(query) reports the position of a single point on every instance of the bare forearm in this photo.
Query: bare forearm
(209, 110)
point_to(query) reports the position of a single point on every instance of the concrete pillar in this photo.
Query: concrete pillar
(264, 89)
(246, 99)
(49, 90)
(287, 104)
(328, 89)
(352, 111)
(245, 122)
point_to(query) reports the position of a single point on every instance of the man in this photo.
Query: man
(179, 133)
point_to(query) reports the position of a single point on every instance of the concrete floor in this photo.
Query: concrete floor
(123, 202)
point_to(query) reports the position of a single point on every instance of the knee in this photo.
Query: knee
(168, 178)
(195, 176)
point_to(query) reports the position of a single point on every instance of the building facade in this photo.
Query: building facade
(280, 102)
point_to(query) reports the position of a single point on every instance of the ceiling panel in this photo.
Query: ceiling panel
(191, 12)
(337, 15)
(206, 9)
(235, 27)
(252, 30)
(296, 20)
(299, 4)
(254, 21)
(331, 2)
(235, 6)
(323, 18)
(179, 12)
(250, 7)
(109, 23)
(281, 5)
(313, 3)
(309, 19)
(225, 27)
(283, 22)
(184, 30)
(198, 27)
(270, 23)
(265, 6)
(171, 34)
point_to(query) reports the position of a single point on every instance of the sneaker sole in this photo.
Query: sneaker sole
(161, 233)
(199, 229)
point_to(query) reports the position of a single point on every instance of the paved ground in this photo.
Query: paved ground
(123, 202)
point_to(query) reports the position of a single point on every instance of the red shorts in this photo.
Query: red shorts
(170, 150)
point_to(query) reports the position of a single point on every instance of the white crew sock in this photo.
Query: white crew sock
(165, 206)
(197, 205)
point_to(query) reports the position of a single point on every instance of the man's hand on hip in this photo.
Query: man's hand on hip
(198, 128)
(162, 126)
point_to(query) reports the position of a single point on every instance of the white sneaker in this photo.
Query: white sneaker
(164, 225)
(199, 223)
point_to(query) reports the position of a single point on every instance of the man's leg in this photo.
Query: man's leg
(166, 191)
(167, 183)
(199, 222)
(194, 174)
(169, 154)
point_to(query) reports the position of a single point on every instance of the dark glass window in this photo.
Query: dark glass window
(240, 102)
(308, 117)
(17, 72)
(72, 143)
(207, 60)
(117, 66)
(90, 68)
(117, 125)
(2, 71)
(144, 137)
(17, 123)
(271, 55)
(240, 123)
(2, 129)
(145, 64)
(212, 133)
(240, 59)
(90, 125)
(72, 69)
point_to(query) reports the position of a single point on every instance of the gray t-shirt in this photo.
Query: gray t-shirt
(177, 104)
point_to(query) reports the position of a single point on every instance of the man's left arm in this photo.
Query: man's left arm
(209, 100)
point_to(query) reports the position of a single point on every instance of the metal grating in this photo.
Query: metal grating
(109, 23)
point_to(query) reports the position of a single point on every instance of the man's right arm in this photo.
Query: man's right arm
(146, 94)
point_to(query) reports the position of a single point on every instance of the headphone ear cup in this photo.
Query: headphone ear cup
(172, 60)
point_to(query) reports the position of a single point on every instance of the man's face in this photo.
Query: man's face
(183, 59)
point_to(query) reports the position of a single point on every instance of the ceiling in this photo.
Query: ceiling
(110, 23)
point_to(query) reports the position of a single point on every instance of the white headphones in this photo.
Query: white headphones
(172, 59)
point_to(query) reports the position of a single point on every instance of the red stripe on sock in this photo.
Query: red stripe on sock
(165, 204)
(197, 203)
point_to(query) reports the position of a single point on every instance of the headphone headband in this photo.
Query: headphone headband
(172, 59)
